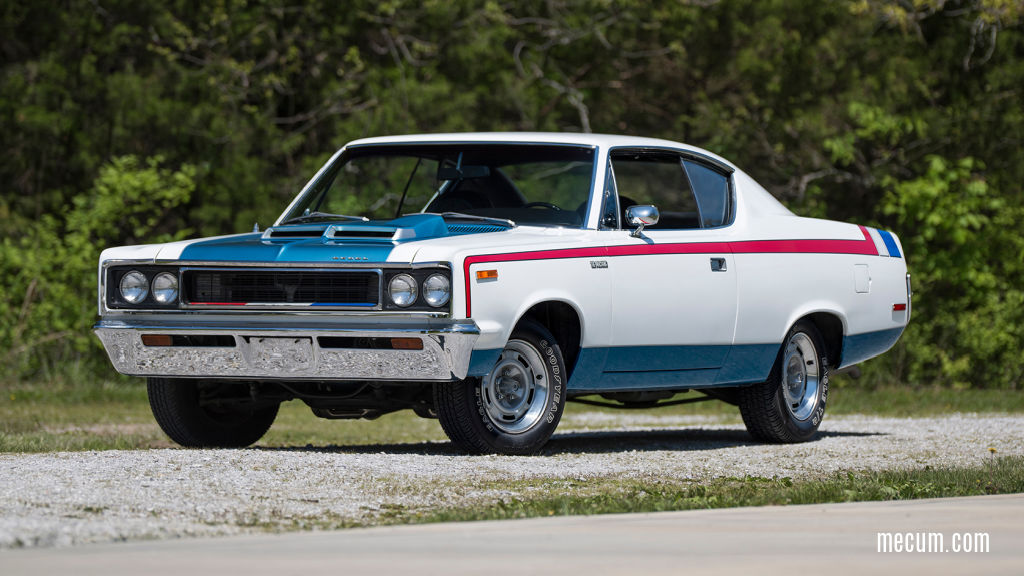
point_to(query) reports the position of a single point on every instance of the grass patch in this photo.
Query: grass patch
(1002, 475)
(918, 402)
(115, 414)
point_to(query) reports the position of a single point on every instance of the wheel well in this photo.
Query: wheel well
(831, 328)
(563, 322)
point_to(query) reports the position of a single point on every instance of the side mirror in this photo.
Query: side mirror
(640, 216)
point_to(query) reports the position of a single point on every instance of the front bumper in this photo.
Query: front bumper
(293, 353)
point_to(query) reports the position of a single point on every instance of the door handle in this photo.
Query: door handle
(718, 265)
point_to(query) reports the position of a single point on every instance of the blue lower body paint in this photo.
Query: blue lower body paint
(633, 368)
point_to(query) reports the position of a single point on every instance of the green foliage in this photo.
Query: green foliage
(48, 274)
(964, 238)
(902, 115)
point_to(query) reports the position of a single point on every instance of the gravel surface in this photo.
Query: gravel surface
(68, 498)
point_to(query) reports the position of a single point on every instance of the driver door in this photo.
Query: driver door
(674, 285)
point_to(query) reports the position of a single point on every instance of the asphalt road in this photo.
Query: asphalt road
(832, 539)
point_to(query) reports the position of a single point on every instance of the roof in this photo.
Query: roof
(599, 140)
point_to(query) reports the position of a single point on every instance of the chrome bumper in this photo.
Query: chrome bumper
(292, 353)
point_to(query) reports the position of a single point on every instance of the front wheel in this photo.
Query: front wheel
(789, 406)
(516, 407)
(200, 414)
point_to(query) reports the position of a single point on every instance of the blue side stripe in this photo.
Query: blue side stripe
(890, 243)
(368, 304)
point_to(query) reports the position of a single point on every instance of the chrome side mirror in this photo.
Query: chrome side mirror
(640, 216)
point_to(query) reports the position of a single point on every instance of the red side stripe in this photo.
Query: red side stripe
(864, 247)
(858, 247)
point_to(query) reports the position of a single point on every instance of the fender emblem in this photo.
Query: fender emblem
(598, 263)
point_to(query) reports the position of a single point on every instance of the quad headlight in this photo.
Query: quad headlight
(402, 290)
(134, 287)
(437, 290)
(165, 288)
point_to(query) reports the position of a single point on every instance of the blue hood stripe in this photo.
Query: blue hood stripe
(252, 248)
(335, 249)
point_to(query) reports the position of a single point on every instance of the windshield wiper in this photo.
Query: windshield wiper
(313, 216)
(460, 215)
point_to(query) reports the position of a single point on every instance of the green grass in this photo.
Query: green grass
(115, 415)
(917, 402)
(1001, 475)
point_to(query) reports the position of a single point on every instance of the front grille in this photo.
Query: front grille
(343, 288)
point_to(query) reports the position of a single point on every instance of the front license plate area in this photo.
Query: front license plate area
(282, 355)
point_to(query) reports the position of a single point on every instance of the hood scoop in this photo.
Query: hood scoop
(411, 227)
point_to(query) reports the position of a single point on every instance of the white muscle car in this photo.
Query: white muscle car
(488, 278)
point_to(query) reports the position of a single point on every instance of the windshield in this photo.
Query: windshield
(540, 185)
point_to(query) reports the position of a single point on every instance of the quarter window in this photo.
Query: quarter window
(712, 190)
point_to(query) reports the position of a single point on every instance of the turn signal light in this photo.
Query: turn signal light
(156, 339)
(406, 344)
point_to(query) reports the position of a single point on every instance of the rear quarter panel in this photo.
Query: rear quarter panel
(777, 289)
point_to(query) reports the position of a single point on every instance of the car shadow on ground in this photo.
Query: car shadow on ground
(584, 442)
(682, 440)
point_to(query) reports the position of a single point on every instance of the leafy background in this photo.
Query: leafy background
(142, 121)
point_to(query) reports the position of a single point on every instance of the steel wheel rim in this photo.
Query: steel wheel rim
(515, 392)
(800, 376)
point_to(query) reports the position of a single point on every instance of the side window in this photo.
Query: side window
(658, 179)
(712, 190)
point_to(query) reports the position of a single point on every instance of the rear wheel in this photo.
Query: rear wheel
(200, 414)
(789, 406)
(516, 407)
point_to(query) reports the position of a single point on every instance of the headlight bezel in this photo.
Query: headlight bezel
(113, 276)
(420, 274)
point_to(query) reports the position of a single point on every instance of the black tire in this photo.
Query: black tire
(784, 409)
(480, 419)
(177, 408)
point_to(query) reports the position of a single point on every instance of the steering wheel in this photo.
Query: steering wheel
(547, 205)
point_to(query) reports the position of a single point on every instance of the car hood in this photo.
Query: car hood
(344, 241)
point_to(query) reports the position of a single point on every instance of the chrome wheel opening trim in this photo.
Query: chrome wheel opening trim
(801, 376)
(515, 393)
